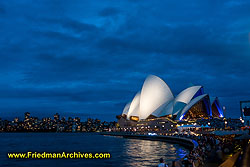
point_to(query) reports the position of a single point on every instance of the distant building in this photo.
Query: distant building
(70, 119)
(26, 115)
(77, 119)
(16, 120)
(56, 117)
(34, 124)
(245, 112)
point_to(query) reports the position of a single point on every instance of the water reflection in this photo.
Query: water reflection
(148, 153)
(124, 152)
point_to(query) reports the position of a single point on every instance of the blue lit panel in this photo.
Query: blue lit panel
(218, 108)
(200, 92)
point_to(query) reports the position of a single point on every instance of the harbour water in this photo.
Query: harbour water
(124, 152)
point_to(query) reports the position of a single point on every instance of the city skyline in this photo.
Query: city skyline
(89, 58)
(32, 123)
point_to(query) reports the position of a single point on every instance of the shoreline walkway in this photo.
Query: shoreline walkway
(211, 159)
(188, 143)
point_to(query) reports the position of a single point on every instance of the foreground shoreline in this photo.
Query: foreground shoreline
(195, 149)
(190, 144)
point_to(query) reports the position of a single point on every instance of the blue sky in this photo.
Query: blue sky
(88, 58)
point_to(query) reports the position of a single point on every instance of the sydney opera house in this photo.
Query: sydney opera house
(155, 101)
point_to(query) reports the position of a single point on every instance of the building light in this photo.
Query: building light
(152, 134)
(172, 125)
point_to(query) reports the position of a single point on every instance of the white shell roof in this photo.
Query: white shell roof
(159, 110)
(155, 93)
(191, 104)
(168, 109)
(126, 108)
(157, 99)
(134, 106)
(184, 98)
(178, 106)
(186, 95)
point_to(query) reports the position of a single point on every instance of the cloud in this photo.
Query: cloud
(85, 58)
(70, 24)
(2, 10)
(109, 12)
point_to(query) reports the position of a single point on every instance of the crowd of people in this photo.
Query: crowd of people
(209, 148)
(199, 154)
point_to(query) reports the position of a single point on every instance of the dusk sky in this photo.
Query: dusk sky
(89, 58)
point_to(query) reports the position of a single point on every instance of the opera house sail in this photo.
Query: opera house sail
(156, 100)
(216, 108)
(155, 95)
